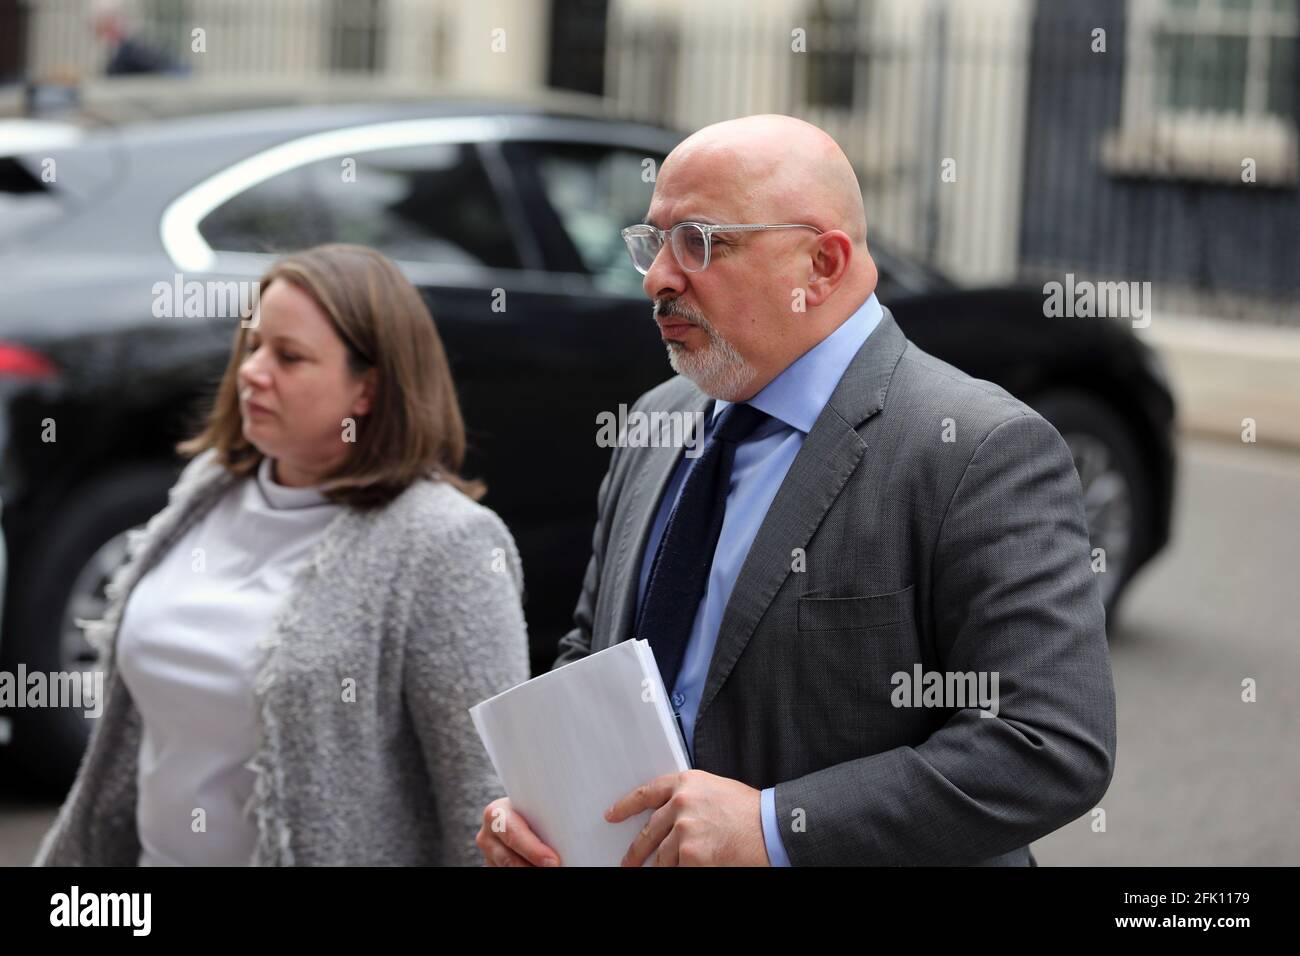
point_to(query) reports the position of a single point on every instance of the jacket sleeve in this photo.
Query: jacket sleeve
(1013, 594)
(96, 824)
(468, 642)
(576, 644)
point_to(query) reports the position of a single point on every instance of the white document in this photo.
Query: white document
(570, 742)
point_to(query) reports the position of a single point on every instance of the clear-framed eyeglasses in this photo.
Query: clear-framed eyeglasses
(691, 242)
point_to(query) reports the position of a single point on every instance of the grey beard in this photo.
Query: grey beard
(716, 368)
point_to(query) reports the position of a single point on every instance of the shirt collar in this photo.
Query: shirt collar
(280, 496)
(799, 393)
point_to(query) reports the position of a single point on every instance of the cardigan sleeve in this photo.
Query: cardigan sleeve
(468, 641)
(96, 825)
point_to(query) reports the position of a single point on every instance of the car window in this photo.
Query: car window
(26, 200)
(596, 191)
(424, 204)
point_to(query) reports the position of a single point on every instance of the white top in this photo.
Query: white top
(188, 651)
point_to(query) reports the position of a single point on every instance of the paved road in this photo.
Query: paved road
(1201, 777)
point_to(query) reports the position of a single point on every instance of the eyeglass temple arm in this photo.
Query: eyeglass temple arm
(752, 227)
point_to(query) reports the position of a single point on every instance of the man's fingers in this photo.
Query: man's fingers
(651, 835)
(648, 796)
(520, 838)
(502, 855)
(506, 839)
(669, 852)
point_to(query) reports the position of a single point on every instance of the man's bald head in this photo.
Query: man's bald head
(780, 169)
(769, 295)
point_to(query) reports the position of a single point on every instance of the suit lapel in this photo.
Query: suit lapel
(648, 485)
(823, 465)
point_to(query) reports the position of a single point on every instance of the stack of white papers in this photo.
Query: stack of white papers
(570, 742)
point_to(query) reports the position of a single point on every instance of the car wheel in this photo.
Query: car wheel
(1117, 491)
(62, 580)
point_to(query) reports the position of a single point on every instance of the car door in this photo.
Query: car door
(578, 195)
(538, 345)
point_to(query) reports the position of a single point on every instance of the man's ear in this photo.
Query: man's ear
(828, 266)
(366, 400)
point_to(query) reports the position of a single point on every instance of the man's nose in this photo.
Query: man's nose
(665, 277)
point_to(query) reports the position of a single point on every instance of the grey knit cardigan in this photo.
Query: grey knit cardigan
(420, 604)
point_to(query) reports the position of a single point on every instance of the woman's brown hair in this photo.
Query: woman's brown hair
(414, 428)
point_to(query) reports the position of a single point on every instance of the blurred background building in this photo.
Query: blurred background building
(1119, 139)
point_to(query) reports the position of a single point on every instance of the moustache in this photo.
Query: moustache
(678, 309)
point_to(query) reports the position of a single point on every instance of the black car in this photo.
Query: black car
(508, 219)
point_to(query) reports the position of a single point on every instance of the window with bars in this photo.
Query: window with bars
(832, 56)
(355, 28)
(1235, 57)
(1210, 92)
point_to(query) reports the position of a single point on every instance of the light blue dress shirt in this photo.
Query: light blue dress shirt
(794, 400)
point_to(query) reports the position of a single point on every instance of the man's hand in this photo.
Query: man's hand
(506, 839)
(699, 820)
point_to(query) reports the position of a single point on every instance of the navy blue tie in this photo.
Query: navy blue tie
(681, 565)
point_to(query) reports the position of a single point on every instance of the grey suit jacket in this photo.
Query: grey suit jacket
(930, 518)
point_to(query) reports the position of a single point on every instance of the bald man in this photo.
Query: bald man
(870, 597)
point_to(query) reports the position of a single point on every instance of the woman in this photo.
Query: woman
(294, 641)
